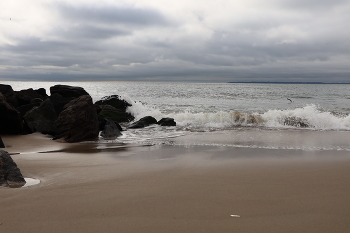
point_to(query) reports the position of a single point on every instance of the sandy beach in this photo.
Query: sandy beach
(91, 187)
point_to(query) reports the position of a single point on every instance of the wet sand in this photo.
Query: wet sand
(164, 188)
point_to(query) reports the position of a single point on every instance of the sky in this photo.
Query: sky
(182, 40)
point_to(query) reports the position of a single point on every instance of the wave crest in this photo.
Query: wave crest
(309, 116)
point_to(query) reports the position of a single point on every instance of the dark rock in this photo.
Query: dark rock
(143, 122)
(10, 174)
(10, 119)
(36, 101)
(9, 94)
(42, 92)
(59, 102)
(115, 101)
(167, 122)
(78, 121)
(116, 115)
(2, 145)
(25, 108)
(68, 91)
(42, 118)
(111, 130)
(25, 96)
(296, 122)
(97, 108)
(102, 123)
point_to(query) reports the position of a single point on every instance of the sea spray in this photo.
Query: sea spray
(310, 115)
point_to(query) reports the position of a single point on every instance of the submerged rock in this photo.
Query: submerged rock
(296, 122)
(10, 174)
(167, 122)
(78, 121)
(143, 122)
(111, 130)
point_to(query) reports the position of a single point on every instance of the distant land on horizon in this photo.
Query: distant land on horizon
(274, 82)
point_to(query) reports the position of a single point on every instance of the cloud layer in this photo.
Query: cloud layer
(285, 40)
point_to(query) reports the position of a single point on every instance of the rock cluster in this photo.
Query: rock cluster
(68, 113)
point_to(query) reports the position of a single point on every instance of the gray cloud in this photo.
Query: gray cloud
(284, 42)
(112, 15)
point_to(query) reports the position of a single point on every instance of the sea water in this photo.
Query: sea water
(271, 116)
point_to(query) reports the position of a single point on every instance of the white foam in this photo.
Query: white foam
(31, 182)
(311, 115)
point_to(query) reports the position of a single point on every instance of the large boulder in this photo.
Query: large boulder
(59, 102)
(111, 130)
(9, 94)
(10, 174)
(78, 121)
(167, 122)
(25, 108)
(111, 113)
(143, 122)
(10, 119)
(115, 101)
(42, 118)
(68, 91)
(26, 96)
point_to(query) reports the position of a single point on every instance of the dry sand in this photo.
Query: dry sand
(91, 188)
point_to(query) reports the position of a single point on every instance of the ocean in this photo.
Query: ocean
(306, 117)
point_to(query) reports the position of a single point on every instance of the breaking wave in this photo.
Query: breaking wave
(308, 117)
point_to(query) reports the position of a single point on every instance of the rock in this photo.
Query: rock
(110, 112)
(143, 122)
(10, 174)
(59, 102)
(42, 92)
(296, 122)
(9, 94)
(115, 101)
(167, 122)
(78, 121)
(42, 118)
(36, 101)
(2, 145)
(68, 91)
(25, 108)
(10, 119)
(102, 123)
(25, 96)
(111, 130)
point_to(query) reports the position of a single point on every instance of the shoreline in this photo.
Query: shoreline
(165, 188)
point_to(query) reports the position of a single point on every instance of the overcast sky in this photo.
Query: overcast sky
(182, 40)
